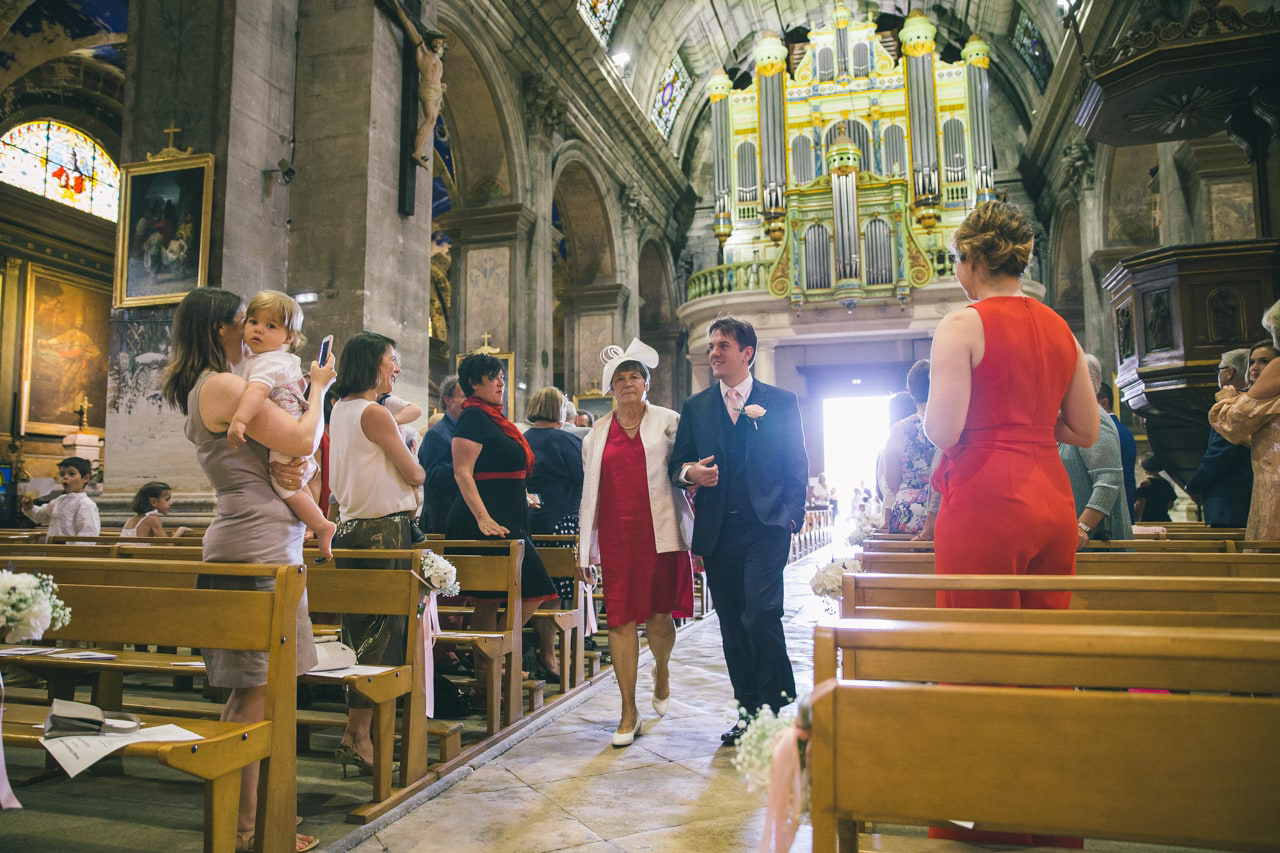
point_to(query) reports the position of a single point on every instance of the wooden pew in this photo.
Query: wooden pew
(1088, 592)
(263, 621)
(1194, 770)
(114, 539)
(1183, 564)
(560, 556)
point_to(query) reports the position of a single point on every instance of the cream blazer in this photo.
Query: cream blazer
(672, 515)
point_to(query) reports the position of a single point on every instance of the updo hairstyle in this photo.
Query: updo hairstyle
(997, 237)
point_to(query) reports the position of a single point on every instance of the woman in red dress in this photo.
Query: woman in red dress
(635, 525)
(1008, 381)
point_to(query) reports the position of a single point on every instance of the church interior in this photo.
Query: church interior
(540, 179)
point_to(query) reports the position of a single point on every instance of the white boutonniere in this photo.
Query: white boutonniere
(754, 413)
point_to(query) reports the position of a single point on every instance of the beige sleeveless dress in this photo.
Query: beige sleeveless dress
(252, 525)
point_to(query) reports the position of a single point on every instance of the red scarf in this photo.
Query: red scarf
(511, 430)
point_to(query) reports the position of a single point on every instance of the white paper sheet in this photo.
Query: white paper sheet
(13, 651)
(85, 655)
(358, 669)
(77, 752)
(191, 663)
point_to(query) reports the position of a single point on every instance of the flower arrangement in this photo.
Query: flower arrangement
(864, 524)
(827, 580)
(438, 573)
(773, 754)
(29, 606)
(754, 757)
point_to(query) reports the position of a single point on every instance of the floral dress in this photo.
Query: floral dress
(910, 505)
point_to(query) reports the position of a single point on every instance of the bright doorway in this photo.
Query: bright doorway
(855, 430)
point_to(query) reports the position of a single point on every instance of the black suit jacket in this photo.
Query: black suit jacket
(436, 457)
(777, 467)
(1225, 479)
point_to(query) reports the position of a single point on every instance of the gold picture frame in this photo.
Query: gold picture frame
(508, 360)
(596, 403)
(65, 341)
(162, 239)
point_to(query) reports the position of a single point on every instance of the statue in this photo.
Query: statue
(429, 54)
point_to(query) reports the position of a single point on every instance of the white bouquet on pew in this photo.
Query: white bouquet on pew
(438, 573)
(828, 580)
(865, 523)
(29, 606)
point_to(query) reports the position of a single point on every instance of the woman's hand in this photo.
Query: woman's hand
(489, 527)
(288, 476)
(1082, 540)
(588, 575)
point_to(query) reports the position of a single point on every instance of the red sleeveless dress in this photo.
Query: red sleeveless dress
(1006, 501)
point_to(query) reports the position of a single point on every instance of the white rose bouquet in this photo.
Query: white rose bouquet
(438, 573)
(864, 524)
(827, 580)
(29, 606)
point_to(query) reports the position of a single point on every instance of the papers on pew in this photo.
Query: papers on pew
(15, 651)
(358, 669)
(77, 752)
(83, 655)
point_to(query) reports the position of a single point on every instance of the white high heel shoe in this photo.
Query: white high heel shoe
(660, 706)
(621, 739)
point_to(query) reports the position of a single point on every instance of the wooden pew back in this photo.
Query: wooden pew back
(1182, 564)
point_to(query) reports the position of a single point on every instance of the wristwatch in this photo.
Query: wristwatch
(1084, 528)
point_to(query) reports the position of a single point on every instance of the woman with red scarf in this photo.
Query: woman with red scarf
(491, 461)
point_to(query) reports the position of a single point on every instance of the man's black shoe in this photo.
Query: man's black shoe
(731, 737)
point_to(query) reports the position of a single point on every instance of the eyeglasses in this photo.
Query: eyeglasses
(1223, 367)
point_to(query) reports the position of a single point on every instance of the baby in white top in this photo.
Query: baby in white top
(272, 331)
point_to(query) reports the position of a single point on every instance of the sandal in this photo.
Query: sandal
(301, 843)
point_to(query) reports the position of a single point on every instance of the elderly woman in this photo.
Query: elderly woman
(252, 524)
(1097, 480)
(908, 456)
(636, 526)
(1253, 418)
(374, 478)
(557, 465)
(491, 463)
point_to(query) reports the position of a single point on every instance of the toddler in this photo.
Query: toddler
(152, 501)
(272, 331)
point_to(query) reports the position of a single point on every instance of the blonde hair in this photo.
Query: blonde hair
(282, 307)
(996, 236)
(1271, 322)
(546, 405)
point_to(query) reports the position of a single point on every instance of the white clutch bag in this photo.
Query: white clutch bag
(331, 655)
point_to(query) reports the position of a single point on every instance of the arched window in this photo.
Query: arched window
(62, 164)
(817, 257)
(671, 92)
(861, 59)
(600, 15)
(748, 183)
(826, 64)
(802, 160)
(895, 151)
(879, 252)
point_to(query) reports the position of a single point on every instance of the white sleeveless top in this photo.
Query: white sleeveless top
(132, 532)
(361, 476)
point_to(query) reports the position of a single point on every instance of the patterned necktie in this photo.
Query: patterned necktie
(733, 399)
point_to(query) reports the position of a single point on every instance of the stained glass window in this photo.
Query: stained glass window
(601, 15)
(62, 164)
(1031, 47)
(671, 92)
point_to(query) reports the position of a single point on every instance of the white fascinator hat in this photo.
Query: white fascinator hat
(614, 355)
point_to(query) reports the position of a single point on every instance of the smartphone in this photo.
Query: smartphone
(325, 346)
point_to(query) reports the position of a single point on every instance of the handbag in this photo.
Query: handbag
(80, 718)
(332, 654)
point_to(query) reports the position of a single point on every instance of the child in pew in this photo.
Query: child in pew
(272, 331)
(152, 501)
(72, 513)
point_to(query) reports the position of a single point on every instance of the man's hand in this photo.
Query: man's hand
(704, 473)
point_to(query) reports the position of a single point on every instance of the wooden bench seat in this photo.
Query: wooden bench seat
(1194, 770)
(263, 621)
(1108, 563)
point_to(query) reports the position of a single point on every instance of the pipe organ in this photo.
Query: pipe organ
(847, 175)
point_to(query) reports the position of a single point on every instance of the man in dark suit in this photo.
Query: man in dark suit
(436, 458)
(1223, 482)
(741, 444)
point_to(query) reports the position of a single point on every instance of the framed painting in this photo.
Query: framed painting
(66, 330)
(162, 239)
(508, 360)
(597, 404)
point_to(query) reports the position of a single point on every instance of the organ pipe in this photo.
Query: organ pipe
(977, 59)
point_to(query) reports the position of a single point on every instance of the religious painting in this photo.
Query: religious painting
(162, 238)
(508, 360)
(1231, 208)
(66, 328)
(597, 404)
(1130, 211)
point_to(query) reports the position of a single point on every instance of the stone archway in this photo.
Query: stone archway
(658, 324)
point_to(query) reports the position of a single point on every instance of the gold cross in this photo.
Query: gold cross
(171, 130)
(484, 339)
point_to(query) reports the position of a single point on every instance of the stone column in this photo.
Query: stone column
(763, 368)
(1175, 219)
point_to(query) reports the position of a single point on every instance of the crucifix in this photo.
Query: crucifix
(421, 84)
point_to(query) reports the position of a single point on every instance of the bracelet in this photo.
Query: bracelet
(1084, 528)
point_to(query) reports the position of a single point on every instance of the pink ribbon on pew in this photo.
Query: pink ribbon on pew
(593, 625)
(785, 806)
(7, 798)
(430, 618)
